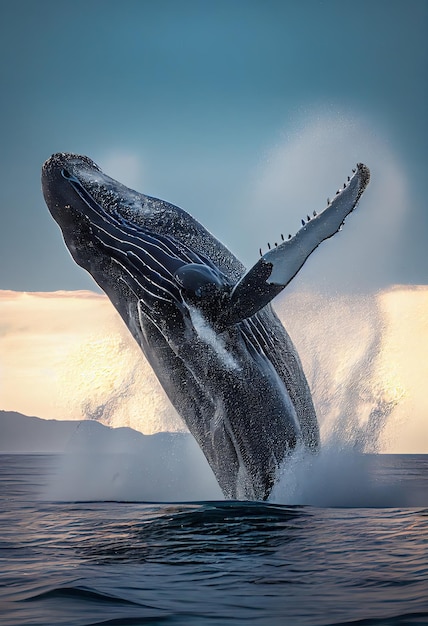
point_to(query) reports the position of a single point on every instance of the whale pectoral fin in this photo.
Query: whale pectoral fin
(251, 293)
(278, 267)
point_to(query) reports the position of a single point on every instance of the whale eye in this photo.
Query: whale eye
(65, 174)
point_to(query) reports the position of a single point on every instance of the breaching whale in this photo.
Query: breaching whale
(205, 324)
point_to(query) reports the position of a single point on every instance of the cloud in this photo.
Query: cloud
(306, 167)
(69, 356)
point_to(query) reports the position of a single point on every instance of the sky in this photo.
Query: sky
(246, 113)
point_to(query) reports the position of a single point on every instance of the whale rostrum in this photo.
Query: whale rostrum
(205, 325)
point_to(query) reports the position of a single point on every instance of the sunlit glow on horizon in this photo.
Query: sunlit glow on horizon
(68, 355)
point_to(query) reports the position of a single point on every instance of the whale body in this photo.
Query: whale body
(204, 323)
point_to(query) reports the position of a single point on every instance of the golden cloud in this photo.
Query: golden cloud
(68, 355)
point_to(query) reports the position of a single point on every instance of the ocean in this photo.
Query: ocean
(216, 562)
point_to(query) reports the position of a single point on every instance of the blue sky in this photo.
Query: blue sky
(245, 113)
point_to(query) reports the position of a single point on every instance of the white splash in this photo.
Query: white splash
(342, 476)
(119, 464)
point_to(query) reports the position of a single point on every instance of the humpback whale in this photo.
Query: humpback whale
(204, 323)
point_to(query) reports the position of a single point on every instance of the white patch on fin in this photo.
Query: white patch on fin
(289, 257)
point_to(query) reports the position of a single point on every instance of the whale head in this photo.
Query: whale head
(134, 246)
(87, 204)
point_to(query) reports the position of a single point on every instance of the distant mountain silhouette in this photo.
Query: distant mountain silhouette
(32, 435)
(22, 434)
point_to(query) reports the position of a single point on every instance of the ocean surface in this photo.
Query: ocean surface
(216, 562)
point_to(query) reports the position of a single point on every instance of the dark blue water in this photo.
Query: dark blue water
(209, 563)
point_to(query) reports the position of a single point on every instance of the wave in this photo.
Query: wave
(79, 593)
